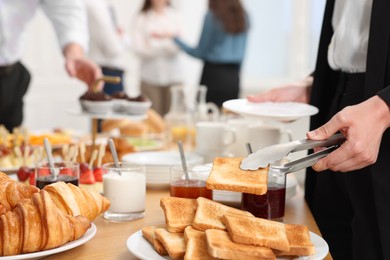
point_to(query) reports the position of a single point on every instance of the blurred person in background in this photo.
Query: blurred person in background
(108, 42)
(222, 47)
(69, 20)
(160, 66)
(351, 88)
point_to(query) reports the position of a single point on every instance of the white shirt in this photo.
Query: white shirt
(160, 61)
(351, 24)
(106, 46)
(67, 16)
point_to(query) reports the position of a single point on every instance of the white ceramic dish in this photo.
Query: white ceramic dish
(119, 105)
(97, 107)
(137, 108)
(142, 249)
(279, 111)
(161, 158)
(109, 115)
(158, 165)
(38, 255)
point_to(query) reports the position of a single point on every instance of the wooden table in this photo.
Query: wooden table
(110, 239)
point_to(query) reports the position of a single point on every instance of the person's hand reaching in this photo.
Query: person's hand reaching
(363, 126)
(294, 92)
(77, 65)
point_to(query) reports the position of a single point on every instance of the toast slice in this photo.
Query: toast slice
(227, 175)
(174, 243)
(221, 246)
(209, 214)
(191, 232)
(300, 243)
(196, 248)
(257, 231)
(179, 213)
(149, 233)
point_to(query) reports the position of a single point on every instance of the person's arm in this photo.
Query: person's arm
(77, 65)
(69, 20)
(363, 126)
(206, 39)
(103, 32)
(147, 45)
(294, 92)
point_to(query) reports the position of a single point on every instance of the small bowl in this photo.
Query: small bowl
(137, 107)
(119, 105)
(97, 107)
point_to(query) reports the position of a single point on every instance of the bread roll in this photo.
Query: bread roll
(134, 129)
(155, 122)
(111, 124)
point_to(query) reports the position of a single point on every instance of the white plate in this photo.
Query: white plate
(37, 255)
(163, 158)
(280, 111)
(109, 115)
(141, 144)
(142, 249)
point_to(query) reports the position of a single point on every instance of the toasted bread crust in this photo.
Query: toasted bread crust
(149, 233)
(220, 245)
(227, 175)
(179, 213)
(196, 245)
(209, 214)
(300, 242)
(173, 242)
(257, 231)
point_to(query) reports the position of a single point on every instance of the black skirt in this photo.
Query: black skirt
(222, 82)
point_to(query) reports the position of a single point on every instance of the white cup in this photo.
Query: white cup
(125, 187)
(257, 134)
(213, 139)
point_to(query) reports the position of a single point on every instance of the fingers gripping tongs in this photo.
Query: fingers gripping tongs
(271, 154)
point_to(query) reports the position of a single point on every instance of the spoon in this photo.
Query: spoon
(114, 154)
(249, 148)
(183, 160)
(50, 158)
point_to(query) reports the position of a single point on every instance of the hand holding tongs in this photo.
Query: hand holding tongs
(268, 155)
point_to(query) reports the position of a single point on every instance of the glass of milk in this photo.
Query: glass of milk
(125, 187)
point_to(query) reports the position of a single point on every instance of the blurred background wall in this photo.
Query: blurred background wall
(282, 47)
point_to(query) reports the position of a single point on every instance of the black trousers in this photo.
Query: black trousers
(13, 86)
(352, 209)
(222, 82)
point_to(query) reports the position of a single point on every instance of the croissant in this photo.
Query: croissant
(73, 200)
(37, 224)
(12, 192)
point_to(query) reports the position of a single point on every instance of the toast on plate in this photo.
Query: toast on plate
(149, 233)
(220, 245)
(209, 214)
(179, 213)
(300, 242)
(196, 248)
(257, 231)
(174, 243)
(227, 175)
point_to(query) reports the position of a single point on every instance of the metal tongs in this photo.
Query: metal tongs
(271, 154)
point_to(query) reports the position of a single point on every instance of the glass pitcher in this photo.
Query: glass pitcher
(179, 119)
(206, 111)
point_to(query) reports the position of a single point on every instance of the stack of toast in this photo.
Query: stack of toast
(205, 229)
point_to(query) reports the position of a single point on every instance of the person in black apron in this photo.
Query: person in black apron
(349, 196)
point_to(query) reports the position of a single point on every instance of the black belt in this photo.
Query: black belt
(7, 69)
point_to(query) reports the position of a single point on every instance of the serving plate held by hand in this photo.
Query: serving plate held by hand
(38, 255)
(142, 249)
(278, 111)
